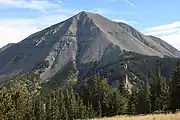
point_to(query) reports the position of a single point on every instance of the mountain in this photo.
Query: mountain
(76, 45)
(6, 47)
(164, 45)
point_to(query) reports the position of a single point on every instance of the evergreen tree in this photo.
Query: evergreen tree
(153, 98)
(175, 89)
(99, 112)
(6, 107)
(38, 111)
(119, 103)
(143, 102)
(22, 99)
(19, 95)
(90, 113)
(161, 93)
(61, 105)
(51, 106)
(68, 104)
(132, 103)
(82, 109)
(147, 96)
(65, 114)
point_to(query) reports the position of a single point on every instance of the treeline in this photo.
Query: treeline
(23, 99)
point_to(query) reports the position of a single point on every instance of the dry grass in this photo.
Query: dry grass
(146, 117)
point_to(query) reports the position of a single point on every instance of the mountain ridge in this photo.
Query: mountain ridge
(6, 47)
(81, 40)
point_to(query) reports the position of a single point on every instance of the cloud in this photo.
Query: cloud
(15, 30)
(30, 4)
(12, 34)
(132, 23)
(121, 20)
(130, 3)
(101, 11)
(169, 32)
(165, 27)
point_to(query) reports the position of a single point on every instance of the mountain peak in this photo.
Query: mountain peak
(87, 13)
(83, 12)
(84, 15)
(84, 38)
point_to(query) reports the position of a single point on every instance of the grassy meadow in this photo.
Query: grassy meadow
(145, 117)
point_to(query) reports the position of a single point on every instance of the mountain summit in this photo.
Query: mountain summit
(80, 40)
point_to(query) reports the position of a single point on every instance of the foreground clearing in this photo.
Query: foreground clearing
(145, 117)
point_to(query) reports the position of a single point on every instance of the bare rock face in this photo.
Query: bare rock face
(81, 39)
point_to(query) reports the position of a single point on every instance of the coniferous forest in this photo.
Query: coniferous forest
(23, 98)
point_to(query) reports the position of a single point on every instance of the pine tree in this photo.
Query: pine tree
(48, 108)
(19, 95)
(99, 112)
(147, 96)
(161, 93)
(65, 114)
(61, 103)
(6, 106)
(119, 103)
(70, 102)
(175, 89)
(90, 113)
(153, 98)
(132, 103)
(143, 103)
(38, 110)
(82, 109)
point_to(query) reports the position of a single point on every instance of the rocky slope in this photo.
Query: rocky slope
(81, 41)
(6, 47)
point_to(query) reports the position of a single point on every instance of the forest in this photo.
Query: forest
(23, 98)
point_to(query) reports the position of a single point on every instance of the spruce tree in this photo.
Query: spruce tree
(153, 98)
(147, 96)
(143, 102)
(132, 103)
(161, 93)
(119, 103)
(175, 89)
(90, 113)
(6, 107)
(65, 114)
(99, 112)
(82, 109)
(61, 103)
(19, 95)
(49, 108)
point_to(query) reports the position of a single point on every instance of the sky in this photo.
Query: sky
(21, 18)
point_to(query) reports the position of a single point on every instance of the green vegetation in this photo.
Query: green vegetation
(22, 98)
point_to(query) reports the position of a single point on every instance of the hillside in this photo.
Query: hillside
(6, 47)
(82, 42)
